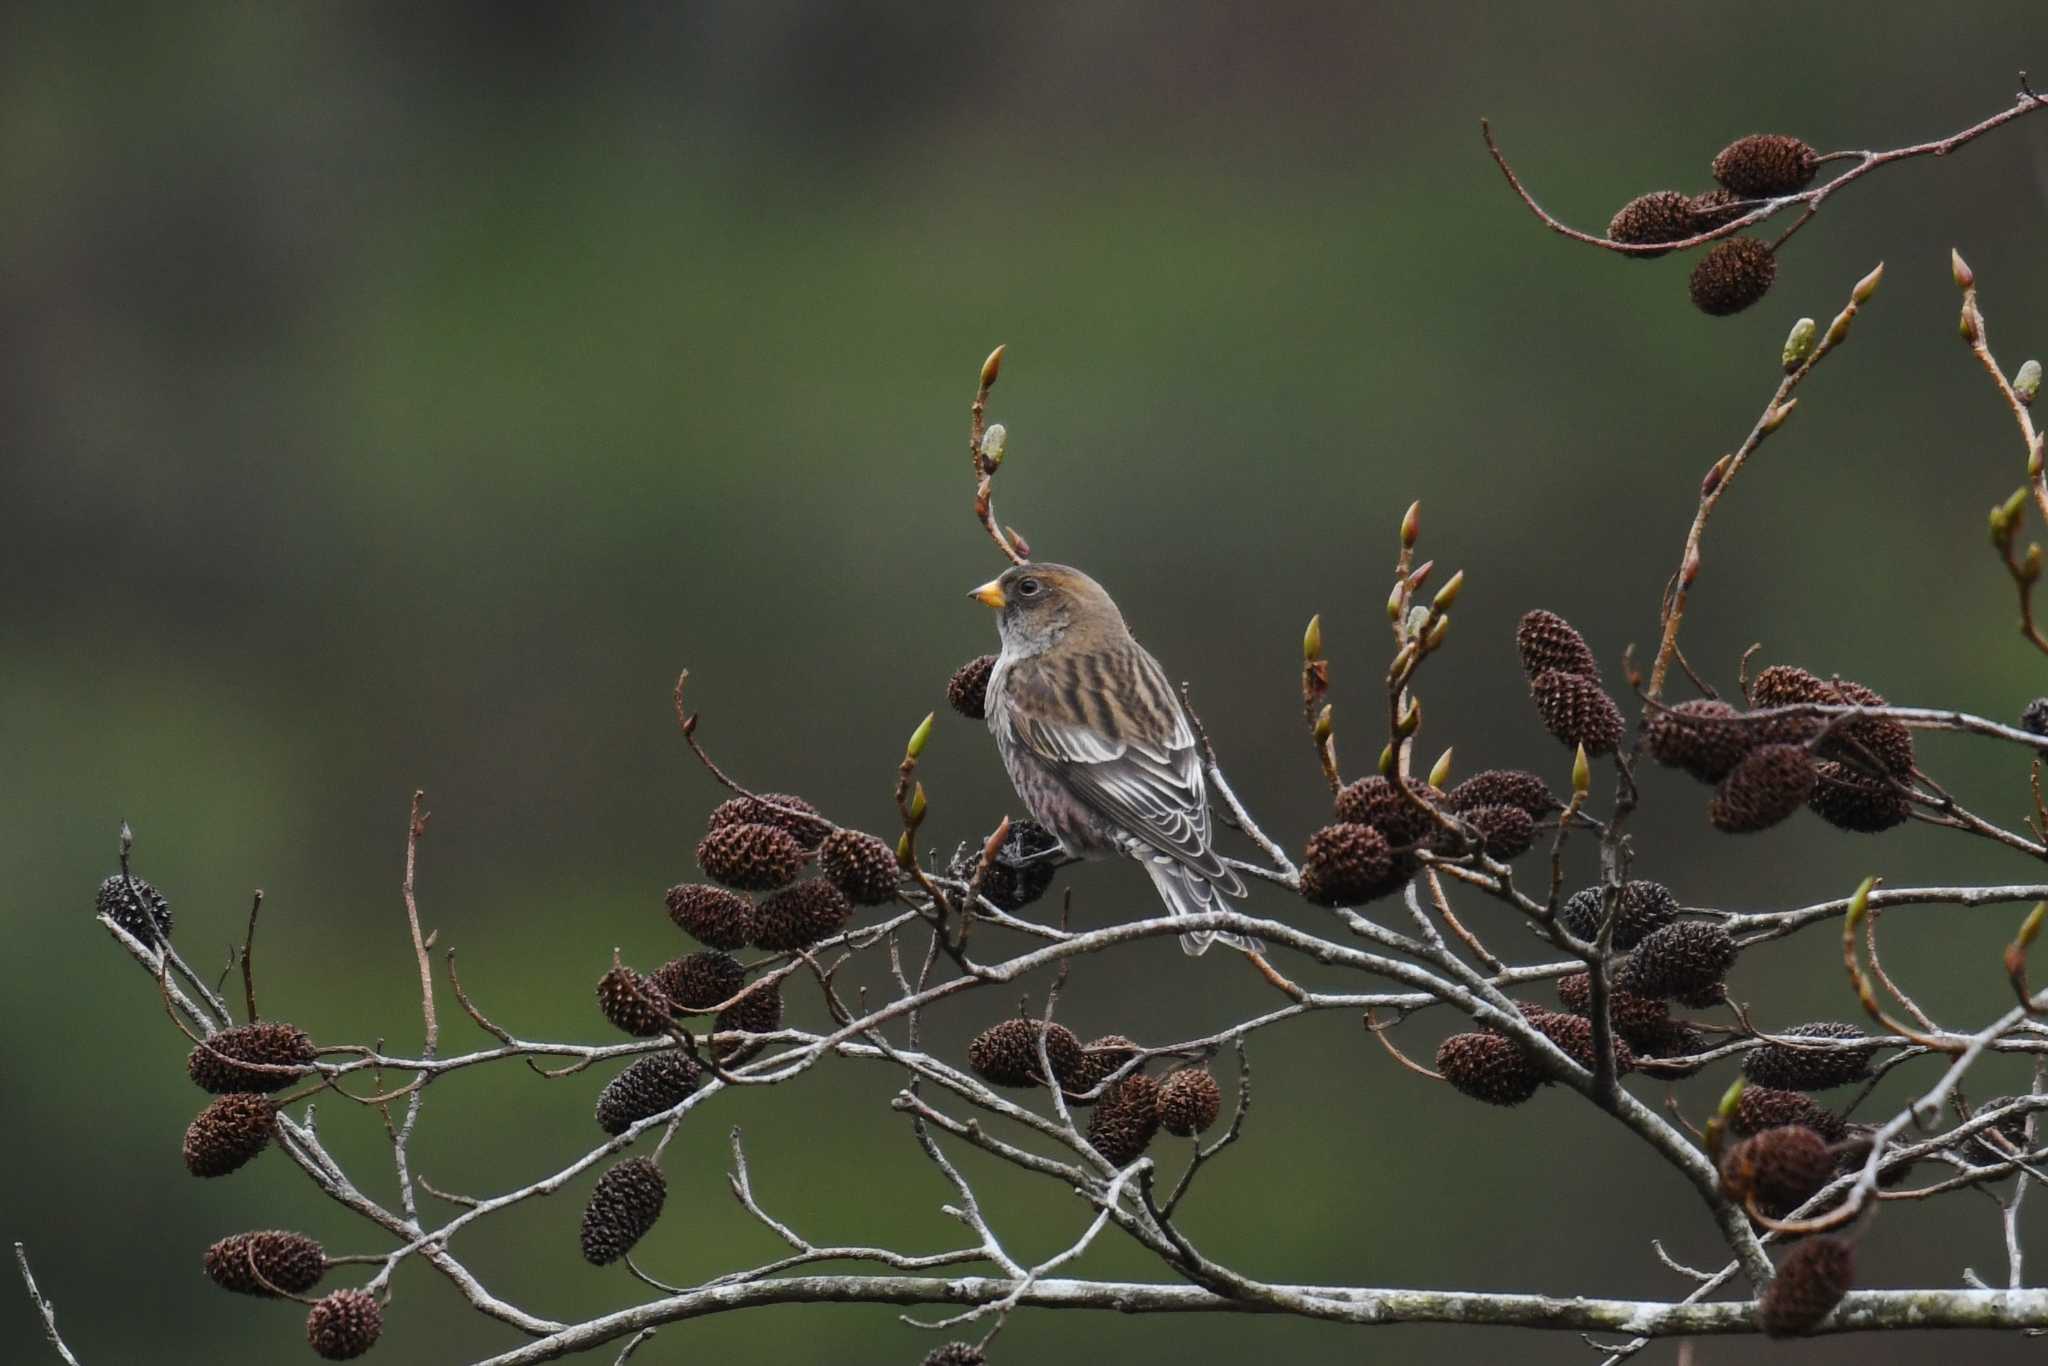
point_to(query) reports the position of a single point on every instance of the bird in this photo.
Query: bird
(1097, 743)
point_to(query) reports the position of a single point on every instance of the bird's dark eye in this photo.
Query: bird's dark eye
(1028, 587)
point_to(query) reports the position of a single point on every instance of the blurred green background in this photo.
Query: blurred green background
(400, 395)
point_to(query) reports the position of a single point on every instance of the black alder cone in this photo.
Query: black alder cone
(344, 1325)
(1346, 864)
(798, 917)
(1023, 869)
(860, 865)
(1574, 1035)
(1659, 216)
(1577, 711)
(229, 1132)
(1503, 787)
(1126, 1119)
(712, 916)
(2034, 717)
(275, 1044)
(758, 1012)
(633, 1003)
(1768, 1107)
(1099, 1058)
(1684, 962)
(623, 1207)
(143, 912)
(1765, 165)
(1778, 1169)
(1806, 1069)
(1488, 1067)
(1770, 783)
(1880, 737)
(1376, 802)
(1714, 208)
(1848, 800)
(1548, 642)
(782, 810)
(699, 982)
(1006, 1054)
(1706, 737)
(1189, 1101)
(266, 1263)
(752, 858)
(655, 1083)
(955, 1354)
(967, 689)
(1811, 1281)
(1645, 908)
(1643, 1021)
(1505, 832)
(1731, 277)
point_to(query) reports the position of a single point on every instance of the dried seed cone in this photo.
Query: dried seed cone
(699, 982)
(1577, 711)
(1799, 1069)
(1504, 787)
(712, 916)
(1770, 783)
(752, 858)
(1811, 1281)
(1645, 908)
(1189, 1101)
(967, 689)
(1548, 642)
(1705, 737)
(860, 865)
(1006, 1054)
(288, 1262)
(632, 1002)
(1684, 962)
(1675, 1040)
(1733, 276)
(1574, 1034)
(1505, 832)
(655, 1083)
(1715, 207)
(1779, 1169)
(1643, 1021)
(143, 912)
(1660, 216)
(758, 1012)
(782, 810)
(1488, 1067)
(1376, 802)
(1346, 864)
(1847, 800)
(1126, 1119)
(1889, 741)
(800, 916)
(344, 1325)
(228, 1133)
(275, 1044)
(1099, 1058)
(623, 1207)
(1768, 1107)
(1765, 165)
(955, 1354)
(2034, 717)
(1023, 869)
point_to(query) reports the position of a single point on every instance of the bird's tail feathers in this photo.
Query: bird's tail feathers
(1187, 892)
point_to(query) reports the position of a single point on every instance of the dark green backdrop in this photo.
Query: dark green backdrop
(401, 395)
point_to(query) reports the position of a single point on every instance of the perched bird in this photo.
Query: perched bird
(1096, 742)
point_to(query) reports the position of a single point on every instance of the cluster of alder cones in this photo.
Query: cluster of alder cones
(1737, 271)
(1130, 1106)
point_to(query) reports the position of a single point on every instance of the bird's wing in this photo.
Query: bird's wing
(1115, 732)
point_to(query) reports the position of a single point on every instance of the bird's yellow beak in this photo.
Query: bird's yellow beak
(990, 593)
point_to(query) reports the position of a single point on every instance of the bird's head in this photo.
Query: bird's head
(1039, 604)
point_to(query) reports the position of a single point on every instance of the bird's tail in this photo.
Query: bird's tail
(1187, 892)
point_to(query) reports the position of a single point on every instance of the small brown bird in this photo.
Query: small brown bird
(1096, 741)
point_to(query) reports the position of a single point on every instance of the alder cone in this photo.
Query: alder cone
(1547, 642)
(955, 1354)
(1488, 1067)
(1659, 216)
(1705, 737)
(623, 1207)
(633, 1003)
(1715, 208)
(1577, 711)
(784, 811)
(1765, 165)
(344, 1325)
(860, 865)
(228, 1133)
(1769, 1107)
(1503, 787)
(1645, 907)
(697, 982)
(1800, 1069)
(1574, 1035)
(1006, 1054)
(1099, 1058)
(1346, 864)
(288, 1262)
(1189, 1101)
(1505, 832)
(750, 858)
(1376, 802)
(1777, 1169)
(143, 912)
(1848, 800)
(1684, 962)
(1126, 1119)
(799, 916)
(1733, 276)
(1643, 1021)
(1811, 1281)
(211, 1065)
(757, 1012)
(655, 1083)
(712, 916)
(1770, 783)
(967, 689)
